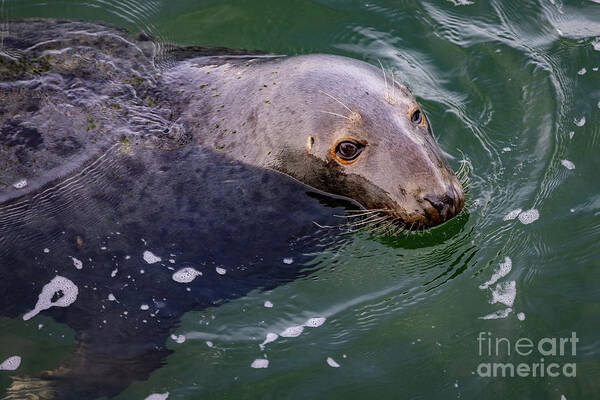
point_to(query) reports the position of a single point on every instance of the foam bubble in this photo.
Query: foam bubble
(221, 271)
(504, 269)
(57, 284)
(178, 338)
(46, 250)
(498, 314)
(315, 322)
(504, 293)
(568, 164)
(150, 258)
(260, 363)
(288, 260)
(521, 316)
(512, 215)
(572, 133)
(77, 263)
(292, 331)
(582, 71)
(268, 304)
(506, 149)
(209, 343)
(158, 396)
(331, 362)
(186, 275)
(529, 216)
(20, 184)
(271, 337)
(111, 297)
(580, 122)
(10, 364)
(144, 307)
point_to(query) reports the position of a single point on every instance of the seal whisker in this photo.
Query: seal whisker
(383, 229)
(384, 77)
(393, 85)
(369, 209)
(336, 99)
(399, 230)
(359, 215)
(336, 114)
(378, 225)
(367, 222)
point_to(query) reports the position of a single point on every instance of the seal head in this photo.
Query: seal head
(362, 135)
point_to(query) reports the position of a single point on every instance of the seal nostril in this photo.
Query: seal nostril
(444, 204)
(435, 202)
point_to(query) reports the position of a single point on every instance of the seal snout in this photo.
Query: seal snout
(439, 208)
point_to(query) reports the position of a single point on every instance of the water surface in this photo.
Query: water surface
(512, 89)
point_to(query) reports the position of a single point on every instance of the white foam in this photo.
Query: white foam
(568, 164)
(268, 304)
(315, 322)
(20, 184)
(186, 275)
(111, 297)
(521, 316)
(144, 307)
(562, 397)
(150, 258)
(512, 215)
(209, 343)
(498, 314)
(292, 331)
(572, 133)
(271, 337)
(529, 216)
(114, 272)
(10, 364)
(77, 263)
(580, 122)
(221, 271)
(506, 149)
(58, 283)
(46, 250)
(504, 293)
(582, 71)
(260, 363)
(288, 260)
(178, 338)
(504, 269)
(158, 396)
(331, 362)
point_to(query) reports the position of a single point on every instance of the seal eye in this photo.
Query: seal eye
(416, 117)
(348, 150)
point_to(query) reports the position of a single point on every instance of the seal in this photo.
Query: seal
(137, 186)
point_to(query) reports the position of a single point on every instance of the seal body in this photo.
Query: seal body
(120, 175)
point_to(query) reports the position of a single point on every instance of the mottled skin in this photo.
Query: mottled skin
(185, 151)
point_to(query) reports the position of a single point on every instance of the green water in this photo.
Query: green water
(511, 86)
